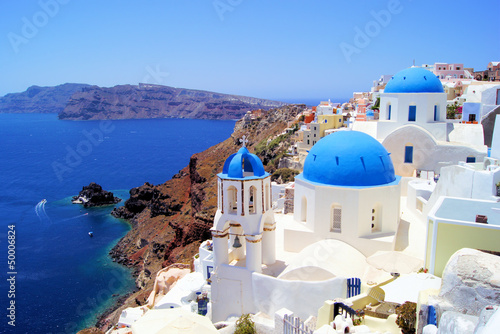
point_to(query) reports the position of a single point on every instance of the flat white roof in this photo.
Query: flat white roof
(466, 210)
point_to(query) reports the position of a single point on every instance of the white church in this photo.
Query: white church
(347, 208)
(413, 127)
(349, 192)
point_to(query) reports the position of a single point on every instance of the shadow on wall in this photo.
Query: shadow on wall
(488, 124)
(402, 235)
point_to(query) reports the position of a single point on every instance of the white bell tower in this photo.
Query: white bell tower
(244, 226)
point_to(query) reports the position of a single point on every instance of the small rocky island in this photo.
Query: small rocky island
(94, 195)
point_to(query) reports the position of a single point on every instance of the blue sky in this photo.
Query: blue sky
(278, 49)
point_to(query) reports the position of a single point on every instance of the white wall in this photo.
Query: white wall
(463, 182)
(489, 96)
(303, 298)
(470, 134)
(425, 103)
(356, 204)
(471, 108)
(495, 142)
(428, 154)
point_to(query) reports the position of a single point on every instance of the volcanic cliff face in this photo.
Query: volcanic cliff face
(169, 221)
(38, 99)
(155, 101)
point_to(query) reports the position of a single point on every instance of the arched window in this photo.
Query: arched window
(409, 153)
(266, 195)
(336, 218)
(303, 209)
(232, 197)
(252, 200)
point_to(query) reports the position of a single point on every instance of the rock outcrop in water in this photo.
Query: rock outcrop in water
(155, 101)
(38, 99)
(94, 195)
(169, 221)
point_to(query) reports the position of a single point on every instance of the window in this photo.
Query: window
(253, 200)
(209, 273)
(336, 218)
(472, 117)
(412, 113)
(232, 195)
(435, 113)
(267, 196)
(470, 160)
(408, 154)
(458, 68)
(389, 112)
(376, 218)
(308, 142)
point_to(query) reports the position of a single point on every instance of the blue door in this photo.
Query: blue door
(412, 113)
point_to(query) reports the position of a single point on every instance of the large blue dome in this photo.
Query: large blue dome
(349, 158)
(414, 80)
(243, 164)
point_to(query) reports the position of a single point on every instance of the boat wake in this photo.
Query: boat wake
(64, 220)
(40, 211)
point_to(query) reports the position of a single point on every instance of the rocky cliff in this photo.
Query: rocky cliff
(38, 99)
(169, 221)
(155, 101)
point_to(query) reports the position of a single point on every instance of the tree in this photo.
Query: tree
(376, 106)
(451, 110)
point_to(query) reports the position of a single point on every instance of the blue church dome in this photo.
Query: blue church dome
(243, 164)
(414, 80)
(349, 158)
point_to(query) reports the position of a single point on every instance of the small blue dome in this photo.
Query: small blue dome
(414, 80)
(239, 164)
(349, 158)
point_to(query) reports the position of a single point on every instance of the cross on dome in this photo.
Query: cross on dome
(244, 141)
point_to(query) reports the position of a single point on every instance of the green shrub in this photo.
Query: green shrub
(286, 174)
(245, 325)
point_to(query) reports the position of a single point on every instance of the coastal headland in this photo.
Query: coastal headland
(170, 220)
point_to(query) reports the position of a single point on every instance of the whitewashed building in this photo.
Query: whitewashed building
(349, 192)
(413, 127)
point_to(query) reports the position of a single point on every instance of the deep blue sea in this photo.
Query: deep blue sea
(64, 278)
